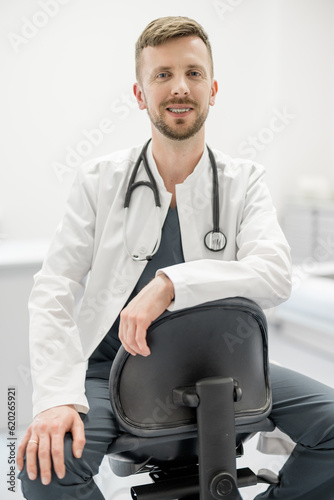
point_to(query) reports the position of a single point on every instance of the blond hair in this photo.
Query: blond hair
(161, 30)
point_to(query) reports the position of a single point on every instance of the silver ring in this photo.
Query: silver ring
(33, 441)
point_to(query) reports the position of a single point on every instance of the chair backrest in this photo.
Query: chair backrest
(223, 338)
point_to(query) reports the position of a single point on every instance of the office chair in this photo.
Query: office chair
(185, 410)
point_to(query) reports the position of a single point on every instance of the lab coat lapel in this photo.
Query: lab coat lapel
(194, 201)
(115, 272)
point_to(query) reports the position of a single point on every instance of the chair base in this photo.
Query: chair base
(184, 484)
(215, 476)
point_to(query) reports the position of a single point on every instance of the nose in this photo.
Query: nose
(180, 87)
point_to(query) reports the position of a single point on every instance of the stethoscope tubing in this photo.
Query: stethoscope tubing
(151, 184)
(215, 192)
(214, 240)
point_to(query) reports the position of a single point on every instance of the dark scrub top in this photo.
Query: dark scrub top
(169, 253)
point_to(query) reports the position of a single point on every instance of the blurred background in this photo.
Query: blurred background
(66, 96)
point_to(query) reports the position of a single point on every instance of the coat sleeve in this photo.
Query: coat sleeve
(261, 270)
(57, 362)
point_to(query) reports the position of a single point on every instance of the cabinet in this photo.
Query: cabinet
(309, 229)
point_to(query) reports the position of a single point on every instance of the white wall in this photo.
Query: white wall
(332, 92)
(76, 71)
(306, 86)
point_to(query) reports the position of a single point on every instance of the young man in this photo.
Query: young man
(127, 283)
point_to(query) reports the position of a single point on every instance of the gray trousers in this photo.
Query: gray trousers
(302, 408)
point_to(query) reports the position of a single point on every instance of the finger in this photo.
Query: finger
(122, 333)
(44, 458)
(22, 449)
(129, 350)
(130, 338)
(31, 456)
(141, 333)
(57, 449)
(78, 434)
(135, 329)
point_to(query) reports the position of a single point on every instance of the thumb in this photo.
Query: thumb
(78, 434)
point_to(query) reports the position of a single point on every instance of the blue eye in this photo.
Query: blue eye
(162, 75)
(195, 73)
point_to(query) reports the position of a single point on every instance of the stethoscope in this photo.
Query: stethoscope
(214, 240)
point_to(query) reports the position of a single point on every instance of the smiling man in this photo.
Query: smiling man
(181, 90)
(137, 270)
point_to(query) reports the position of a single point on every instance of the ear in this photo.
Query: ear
(139, 95)
(214, 90)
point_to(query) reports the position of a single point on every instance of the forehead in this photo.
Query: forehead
(183, 51)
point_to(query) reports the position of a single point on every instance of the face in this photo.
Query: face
(176, 87)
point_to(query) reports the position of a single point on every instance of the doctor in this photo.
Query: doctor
(111, 271)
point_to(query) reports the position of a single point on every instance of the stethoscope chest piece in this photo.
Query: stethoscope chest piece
(215, 241)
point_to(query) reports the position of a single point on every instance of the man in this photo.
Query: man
(123, 294)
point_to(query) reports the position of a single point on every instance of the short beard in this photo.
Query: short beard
(173, 133)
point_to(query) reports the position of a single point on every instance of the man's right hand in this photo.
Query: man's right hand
(44, 440)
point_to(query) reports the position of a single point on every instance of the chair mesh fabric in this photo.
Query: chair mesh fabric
(223, 338)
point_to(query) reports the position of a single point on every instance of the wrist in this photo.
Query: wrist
(169, 287)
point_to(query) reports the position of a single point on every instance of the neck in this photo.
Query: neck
(176, 160)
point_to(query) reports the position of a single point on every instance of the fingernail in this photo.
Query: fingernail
(31, 476)
(78, 453)
(44, 480)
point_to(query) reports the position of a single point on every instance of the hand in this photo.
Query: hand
(137, 316)
(45, 439)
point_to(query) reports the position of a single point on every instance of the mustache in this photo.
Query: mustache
(181, 102)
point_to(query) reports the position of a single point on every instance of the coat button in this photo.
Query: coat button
(142, 250)
(122, 289)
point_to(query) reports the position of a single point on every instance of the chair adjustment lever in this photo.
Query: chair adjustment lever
(186, 396)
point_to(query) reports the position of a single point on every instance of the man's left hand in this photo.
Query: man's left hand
(137, 316)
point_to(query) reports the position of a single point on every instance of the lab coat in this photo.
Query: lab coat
(87, 275)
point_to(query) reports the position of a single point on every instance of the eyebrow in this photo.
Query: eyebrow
(160, 69)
